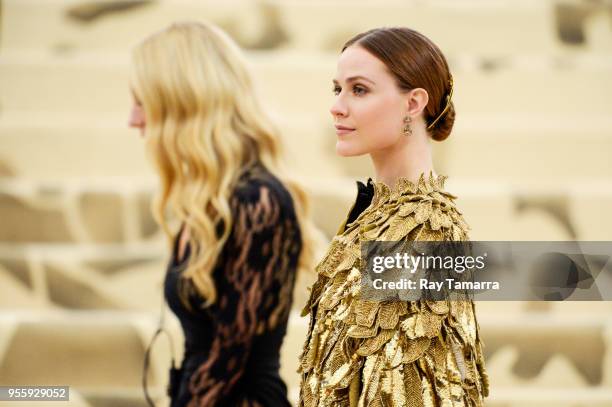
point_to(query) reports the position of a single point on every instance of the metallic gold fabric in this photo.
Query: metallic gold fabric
(366, 353)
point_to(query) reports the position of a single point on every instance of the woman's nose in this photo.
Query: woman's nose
(136, 118)
(338, 108)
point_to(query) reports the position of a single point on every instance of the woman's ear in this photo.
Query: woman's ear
(416, 101)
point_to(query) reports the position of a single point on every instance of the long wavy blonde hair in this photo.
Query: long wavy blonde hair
(203, 125)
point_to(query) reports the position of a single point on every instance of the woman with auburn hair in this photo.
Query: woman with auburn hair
(234, 259)
(393, 95)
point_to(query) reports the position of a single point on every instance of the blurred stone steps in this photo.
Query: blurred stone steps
(117, 210)
(66, 25)
(107, 397)
(86, 210)
(92, 340)
(513, 397)
(99, 354)
(39, 145)
(452, 25)
(290, 82)
(46, 145)
(73, 276)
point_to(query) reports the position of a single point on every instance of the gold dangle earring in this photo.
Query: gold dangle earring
(407, 128)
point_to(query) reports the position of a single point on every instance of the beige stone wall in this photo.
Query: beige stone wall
(81, 259)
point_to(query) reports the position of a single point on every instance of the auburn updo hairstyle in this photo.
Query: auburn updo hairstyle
(415, 62)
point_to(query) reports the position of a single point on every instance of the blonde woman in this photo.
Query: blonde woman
(393, 96)
(234, 259)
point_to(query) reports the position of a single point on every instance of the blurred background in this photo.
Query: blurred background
(81, 259)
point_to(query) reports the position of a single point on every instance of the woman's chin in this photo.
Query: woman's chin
(345, 149)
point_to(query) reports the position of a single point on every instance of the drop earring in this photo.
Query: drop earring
(407, 128)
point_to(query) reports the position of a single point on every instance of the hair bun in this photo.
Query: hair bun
(443, 127)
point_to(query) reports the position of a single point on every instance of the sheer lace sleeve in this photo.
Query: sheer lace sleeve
(254, 284)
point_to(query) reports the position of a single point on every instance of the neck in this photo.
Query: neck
(408, 158)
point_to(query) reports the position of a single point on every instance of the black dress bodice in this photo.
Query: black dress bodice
(232, 348)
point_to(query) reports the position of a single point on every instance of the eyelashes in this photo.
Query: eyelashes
(358, 90)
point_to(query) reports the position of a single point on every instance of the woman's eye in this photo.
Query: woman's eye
(358, 90)
(336, 90)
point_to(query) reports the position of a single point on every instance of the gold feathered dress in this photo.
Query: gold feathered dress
(393, 353)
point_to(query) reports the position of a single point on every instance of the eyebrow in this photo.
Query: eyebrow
(355, 78)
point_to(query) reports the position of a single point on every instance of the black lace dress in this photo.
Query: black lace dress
(232, 347)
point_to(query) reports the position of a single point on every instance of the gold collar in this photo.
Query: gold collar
(404, 186)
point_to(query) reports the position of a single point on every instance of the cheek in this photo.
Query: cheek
(378, 122)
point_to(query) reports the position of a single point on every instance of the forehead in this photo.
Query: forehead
(356, 61)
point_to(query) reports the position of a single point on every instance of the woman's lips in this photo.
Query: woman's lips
(341, 130)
